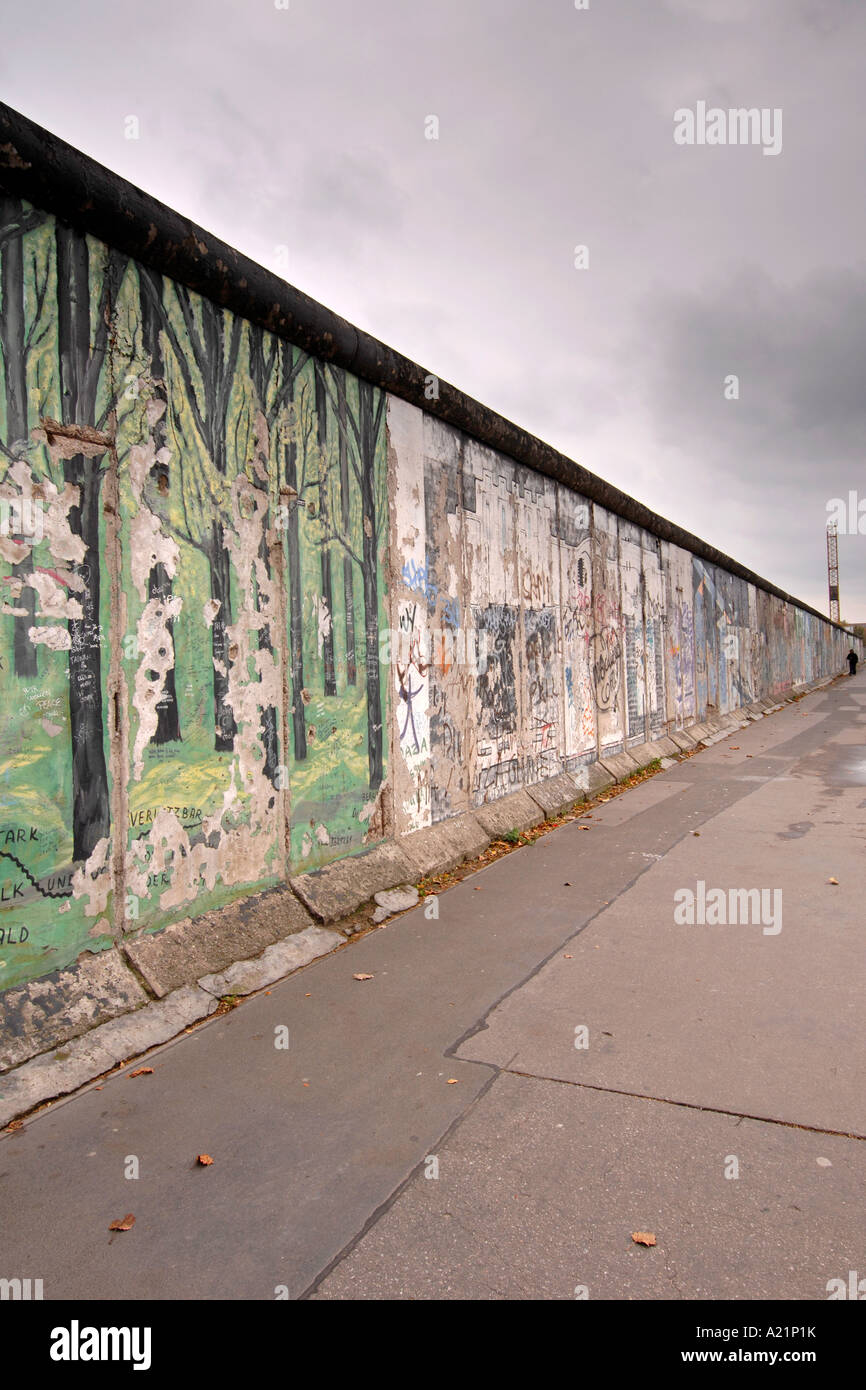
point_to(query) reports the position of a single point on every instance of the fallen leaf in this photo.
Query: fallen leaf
(204, 1159)
(833, 880)
(125, 1225)
(452, 1081)
(308, 996)
(696, 832)
(362, 977)
(142, 1071)
(15, 1124)
(567, 884)
(584, 827)
(569, 958)
(643, 1237)
(735, 748)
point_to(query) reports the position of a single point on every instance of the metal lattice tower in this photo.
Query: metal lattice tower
(833, 570)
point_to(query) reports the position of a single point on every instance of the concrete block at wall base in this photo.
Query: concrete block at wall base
(274, 963)
(621, 766)
(82, 1059)
(339, 888)
(753, 712)
(64, 1005)
(438, 848)
(557, 794)
(700, 732)
(684, 740)
(514, 812)
(665, 747)
(593, 778)
(645, 753)
(186, 950)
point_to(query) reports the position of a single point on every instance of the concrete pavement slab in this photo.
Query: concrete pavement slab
(536, 1196)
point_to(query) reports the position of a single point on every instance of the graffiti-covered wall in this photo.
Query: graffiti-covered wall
(257, 612)
(539, 631)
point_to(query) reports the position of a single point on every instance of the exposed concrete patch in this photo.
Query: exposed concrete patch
(515, 812)
(81, 1060)
(337, 889)
(189, 949)
(246, 976)
(556, 794)
(395, 900)
(621, 766)
(443, 846)
(64, 1005)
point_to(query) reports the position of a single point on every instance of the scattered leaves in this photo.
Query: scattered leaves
(125, 1225)
(362, 977)
(643, 1237)
(142, 1071)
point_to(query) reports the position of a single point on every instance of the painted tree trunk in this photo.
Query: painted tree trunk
(296, 615)
(346, 518)
(220, 587)
(90, 804)
(330, 677)
(12, 341)
(159, 583)
(370, 573)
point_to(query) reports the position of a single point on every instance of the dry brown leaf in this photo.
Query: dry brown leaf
(362, 977)
(643, 1237)
(452, 1081)
(142, 1071)
(204, 1159)
(125, 1225)
(833, 880)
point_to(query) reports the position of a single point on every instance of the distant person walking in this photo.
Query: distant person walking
(852, 662)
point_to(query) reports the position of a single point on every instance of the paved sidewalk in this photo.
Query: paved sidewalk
(710, 1047)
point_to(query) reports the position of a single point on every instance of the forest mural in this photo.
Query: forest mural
(191, 605)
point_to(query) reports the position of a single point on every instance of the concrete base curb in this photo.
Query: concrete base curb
(621, 766)
(684, 740)
(595, 779)
(557, 794)
(64, 1005)
(277, 961)
(441, 847)
(185, 951)
(339, 888)
(517, 811)
(58, 1073)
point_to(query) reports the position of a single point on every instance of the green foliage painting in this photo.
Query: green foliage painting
(194, 517)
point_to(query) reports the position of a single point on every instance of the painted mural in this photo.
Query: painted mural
(190, 628)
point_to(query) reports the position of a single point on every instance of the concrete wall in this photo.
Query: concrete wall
(546, 631)
(258, 613)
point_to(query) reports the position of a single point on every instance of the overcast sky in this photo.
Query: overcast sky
(305, 128)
